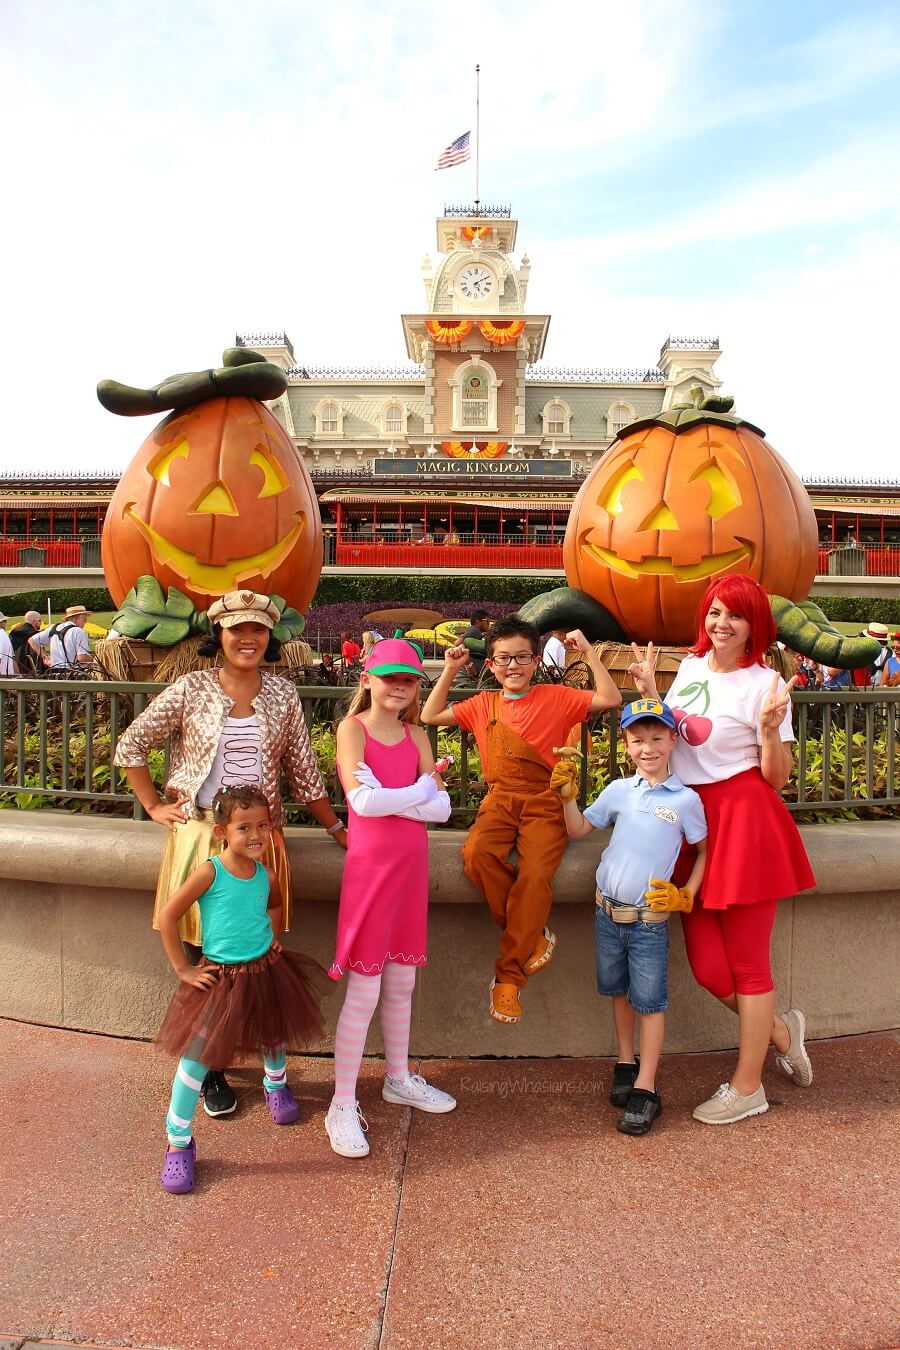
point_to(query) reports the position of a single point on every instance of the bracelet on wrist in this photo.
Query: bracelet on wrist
(335, 828)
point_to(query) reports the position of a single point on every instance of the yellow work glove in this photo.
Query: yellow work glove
(665, 898)
(564, 777)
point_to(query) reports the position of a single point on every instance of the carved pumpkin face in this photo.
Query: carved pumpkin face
(216, 499)
(664, 513)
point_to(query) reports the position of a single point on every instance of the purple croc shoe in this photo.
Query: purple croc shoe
(177, 1176)
(283, 1107)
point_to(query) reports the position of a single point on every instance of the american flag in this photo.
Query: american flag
(456, 153)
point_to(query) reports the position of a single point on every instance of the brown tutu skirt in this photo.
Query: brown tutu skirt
(253, 1006)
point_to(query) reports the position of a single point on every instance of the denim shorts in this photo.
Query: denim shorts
(633, 959)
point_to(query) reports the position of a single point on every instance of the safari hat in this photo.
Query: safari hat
(243, 607)
(395, 656)
(647, 707)
(76, 609)
(2, 618)
(877, 630)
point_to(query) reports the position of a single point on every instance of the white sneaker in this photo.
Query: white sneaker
(412, 1090)
(344, 1125)
(726, 1106)
(795, 1063)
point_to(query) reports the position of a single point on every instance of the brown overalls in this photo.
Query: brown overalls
(520, 811)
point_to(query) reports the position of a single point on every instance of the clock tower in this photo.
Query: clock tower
(474, 337)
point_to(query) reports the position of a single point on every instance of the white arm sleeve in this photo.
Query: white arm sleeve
(437, 810)
(383, 801)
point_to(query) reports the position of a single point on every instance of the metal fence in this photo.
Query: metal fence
(58, 740)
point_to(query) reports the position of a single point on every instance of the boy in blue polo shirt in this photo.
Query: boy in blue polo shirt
(651, 814)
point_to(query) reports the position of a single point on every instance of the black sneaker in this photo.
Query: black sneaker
(218, 1095)
(623, 1081)
(642, 1109)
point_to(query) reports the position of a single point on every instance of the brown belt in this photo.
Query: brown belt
(628, 913)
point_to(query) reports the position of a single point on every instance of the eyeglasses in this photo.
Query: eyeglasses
(519, 659)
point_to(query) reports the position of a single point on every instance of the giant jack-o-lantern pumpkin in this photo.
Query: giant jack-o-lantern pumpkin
(216, 498)
(677, 501)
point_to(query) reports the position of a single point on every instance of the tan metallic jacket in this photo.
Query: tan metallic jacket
(192, 713)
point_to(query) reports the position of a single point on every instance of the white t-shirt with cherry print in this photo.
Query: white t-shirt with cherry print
(718, 720)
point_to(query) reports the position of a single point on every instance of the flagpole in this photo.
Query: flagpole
(477, 130)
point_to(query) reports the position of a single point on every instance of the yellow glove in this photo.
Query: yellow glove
(564, 777)
(665, 898)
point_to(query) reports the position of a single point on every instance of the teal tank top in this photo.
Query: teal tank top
(234, 920)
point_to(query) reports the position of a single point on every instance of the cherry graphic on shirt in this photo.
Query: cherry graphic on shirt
(692, 728)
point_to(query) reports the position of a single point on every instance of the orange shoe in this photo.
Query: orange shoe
(543, 952)
(505, 1005)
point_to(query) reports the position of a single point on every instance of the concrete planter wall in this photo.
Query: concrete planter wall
(76, 948)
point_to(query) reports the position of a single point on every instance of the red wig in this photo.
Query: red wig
(746, 597)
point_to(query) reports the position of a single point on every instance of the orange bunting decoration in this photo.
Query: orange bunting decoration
(484, 449)
(446, 333)
(500, 332)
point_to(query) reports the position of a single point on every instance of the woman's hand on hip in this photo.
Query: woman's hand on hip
(170, 814)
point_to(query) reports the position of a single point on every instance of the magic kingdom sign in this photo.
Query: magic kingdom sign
(474, 468)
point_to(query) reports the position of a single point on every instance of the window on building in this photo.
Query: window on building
(618, 417)
(556, 420)
(393, 419)
(329, 419)
(475, 398)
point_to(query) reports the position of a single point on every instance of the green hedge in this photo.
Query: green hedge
(859, 609)
(426, 591)
(92, 597)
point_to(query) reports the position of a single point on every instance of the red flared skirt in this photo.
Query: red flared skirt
(256, 1005)
(754, 850)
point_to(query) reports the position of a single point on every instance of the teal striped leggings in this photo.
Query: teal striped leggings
(188, 1081)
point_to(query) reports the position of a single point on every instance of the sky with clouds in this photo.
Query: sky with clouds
(178, 172)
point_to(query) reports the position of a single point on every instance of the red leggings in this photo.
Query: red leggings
(729, 948)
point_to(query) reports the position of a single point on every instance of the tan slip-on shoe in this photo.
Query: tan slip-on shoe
(726, 1106)
(795, 1063)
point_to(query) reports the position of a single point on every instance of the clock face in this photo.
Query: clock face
(476, 282)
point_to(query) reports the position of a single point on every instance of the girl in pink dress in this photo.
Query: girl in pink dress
(387, 770)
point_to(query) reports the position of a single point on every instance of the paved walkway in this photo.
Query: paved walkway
(521, 1220)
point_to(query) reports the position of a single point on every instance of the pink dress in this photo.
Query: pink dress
(384, 891)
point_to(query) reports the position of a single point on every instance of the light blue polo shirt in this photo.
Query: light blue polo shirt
(649, 824)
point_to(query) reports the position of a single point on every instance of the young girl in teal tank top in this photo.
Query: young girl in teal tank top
(247, 995)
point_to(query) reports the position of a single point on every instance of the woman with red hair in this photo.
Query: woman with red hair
(733, 747)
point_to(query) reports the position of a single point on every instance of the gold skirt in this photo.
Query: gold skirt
(193, 843)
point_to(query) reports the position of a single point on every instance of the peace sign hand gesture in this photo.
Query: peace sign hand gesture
(777, 702)
(643, 671)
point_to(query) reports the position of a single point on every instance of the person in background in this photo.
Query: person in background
(890, 672)
(25, 659)
(350, 651)
(835, 678)
(7, 665)
(67, 641)
(473, 640)
(369, 638)
(554, 655)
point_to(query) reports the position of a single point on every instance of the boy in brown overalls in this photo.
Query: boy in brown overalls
(515, 730)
